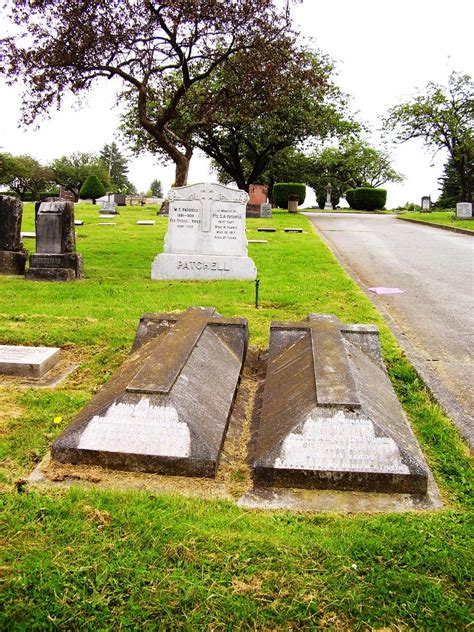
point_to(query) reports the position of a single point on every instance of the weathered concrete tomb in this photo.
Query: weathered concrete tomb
(12, 254)
(56, 258)
(166, 410)
(329, 417)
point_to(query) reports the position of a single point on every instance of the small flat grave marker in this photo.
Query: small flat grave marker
(28, 235)
(107, 223)
(106, 216)
(145, 222)
(293, 230)
(27, 361)
(329, 417)
(258, 241)
(166, 409)
(266, 230)
(78, 222)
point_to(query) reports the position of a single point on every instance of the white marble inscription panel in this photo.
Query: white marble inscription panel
(161, 432)
(338, 443)
(464, 210)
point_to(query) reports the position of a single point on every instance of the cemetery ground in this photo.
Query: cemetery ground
(83, 557)
(444, 218)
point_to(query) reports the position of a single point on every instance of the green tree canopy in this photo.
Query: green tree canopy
(450, 184)
(71, 171)
(352, 164)
(92, 189)
(116, 165)
(156, 189)
(443, 117)
(24, 174)
(160, 52)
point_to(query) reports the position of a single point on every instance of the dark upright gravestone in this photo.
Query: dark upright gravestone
(329, 417)
(12, 255)
(56, 258)
(167, 408)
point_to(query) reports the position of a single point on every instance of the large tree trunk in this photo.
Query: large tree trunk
(181, 173)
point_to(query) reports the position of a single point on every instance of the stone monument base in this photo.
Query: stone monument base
(12, 262)
(55, 267)
(202, 267)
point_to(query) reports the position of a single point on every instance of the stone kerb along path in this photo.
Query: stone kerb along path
(206, 235)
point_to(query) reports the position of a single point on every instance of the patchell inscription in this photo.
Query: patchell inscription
(207, 222)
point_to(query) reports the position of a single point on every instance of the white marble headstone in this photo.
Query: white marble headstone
(206, 235)
(464, 210)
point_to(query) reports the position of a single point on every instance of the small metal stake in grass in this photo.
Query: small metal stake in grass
(257, 283)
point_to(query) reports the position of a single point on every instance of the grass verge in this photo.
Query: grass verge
(94, 559)
(445, 218)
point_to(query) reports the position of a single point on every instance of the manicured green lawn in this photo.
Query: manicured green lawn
(89, 559)
(446, 218)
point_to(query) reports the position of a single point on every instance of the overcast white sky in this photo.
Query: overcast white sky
(384, 51)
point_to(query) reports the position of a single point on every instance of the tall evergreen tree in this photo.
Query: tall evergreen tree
(450, 184)
(156, 189)
(116, 165)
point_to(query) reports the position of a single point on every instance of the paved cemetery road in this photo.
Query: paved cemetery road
(434, 318)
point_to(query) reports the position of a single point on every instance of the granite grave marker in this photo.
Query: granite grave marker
(27, 361)
(426, 204)
(166, 410)
(329, 417)
(206, 235)
(56, 258)
(12, 254)
(464, 210)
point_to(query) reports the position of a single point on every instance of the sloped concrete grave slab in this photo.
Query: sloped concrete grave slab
(329, 417)
(166, 410)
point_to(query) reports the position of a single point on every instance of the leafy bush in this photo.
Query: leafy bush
(281, 191)
(366, 198)
(92, 189)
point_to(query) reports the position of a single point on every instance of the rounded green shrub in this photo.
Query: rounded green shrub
(366, 198)
(281, 191)
(92, 188)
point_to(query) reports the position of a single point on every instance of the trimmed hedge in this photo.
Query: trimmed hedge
(366, 198)
(281, 191)
(92, 189)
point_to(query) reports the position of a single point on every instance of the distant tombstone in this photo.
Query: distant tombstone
(328, 205)
(117, 198)
(266, 210)
(258, 195)
(464, 210)
(64, 194)
(426, 204)
(108, 207)
(12, 254)
(206, 235)
(330, 418)
(31, 362)
(56, 258)
(166, 409)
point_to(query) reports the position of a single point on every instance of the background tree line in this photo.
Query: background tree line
(28, 178)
